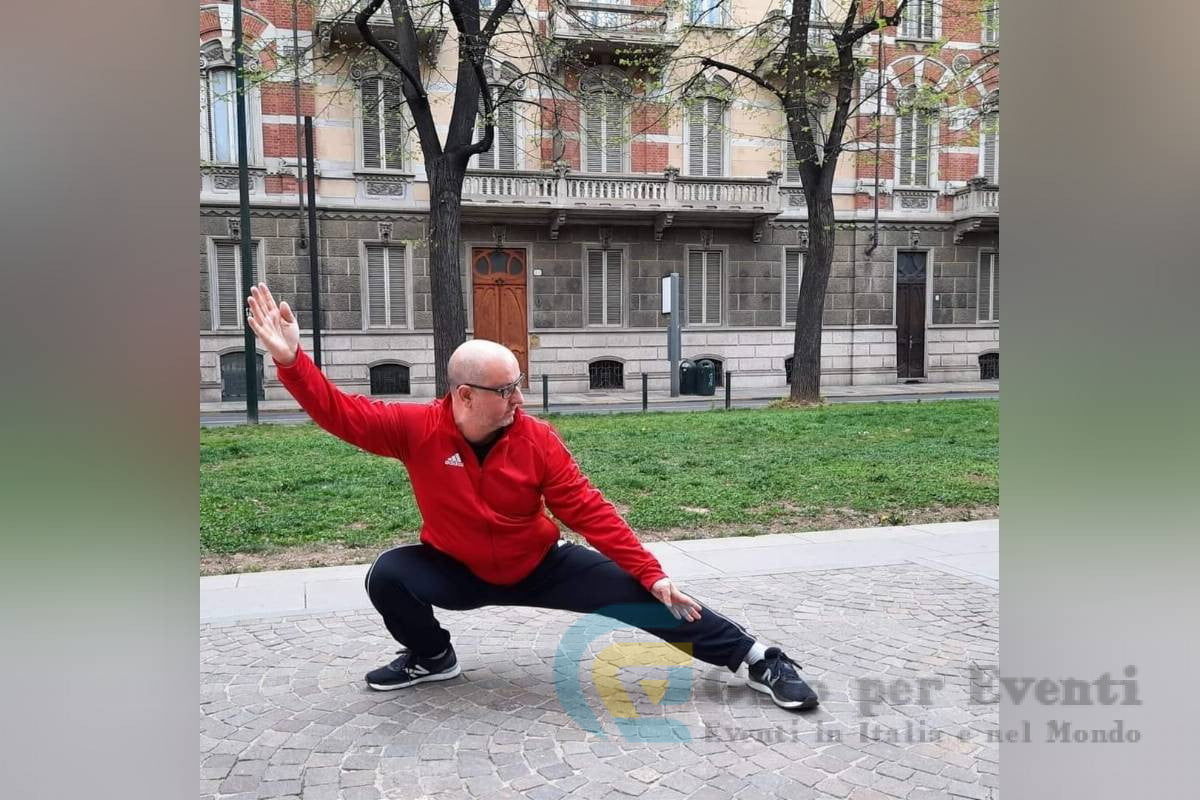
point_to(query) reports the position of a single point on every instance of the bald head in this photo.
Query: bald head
(481, 362)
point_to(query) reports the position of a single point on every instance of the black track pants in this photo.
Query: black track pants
(405, 584)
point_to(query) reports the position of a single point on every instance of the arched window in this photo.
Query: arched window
(914, 126)
(989, 138)
(506, 93)
(382, 123)
(390, 379)
(605, 92)
(233, 375)
(706, 130)
(606, 374)
(218, 108)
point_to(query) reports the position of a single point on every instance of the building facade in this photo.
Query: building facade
(594, 191)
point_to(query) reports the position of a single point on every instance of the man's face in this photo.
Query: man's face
(488, 408)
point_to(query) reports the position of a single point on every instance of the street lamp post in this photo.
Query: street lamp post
(247, 259)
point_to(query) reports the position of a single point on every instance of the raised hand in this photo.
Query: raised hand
(274, 325)
(678, 603)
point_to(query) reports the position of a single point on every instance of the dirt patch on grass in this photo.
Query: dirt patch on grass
(322, 555)
(332, 555)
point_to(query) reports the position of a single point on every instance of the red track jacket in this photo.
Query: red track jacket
(490, 518)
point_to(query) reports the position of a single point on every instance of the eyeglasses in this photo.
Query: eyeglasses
(504, 391)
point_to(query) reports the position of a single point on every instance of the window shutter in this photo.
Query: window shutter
(921, 123)
(482, 160)
(715, 152)
(793, 269)
(906, 147)
(370, 123)
(228, 286)
(376, 282)
(595, 279)
(712, 288)
(592, 134)
(791, 167)
(507, 133)
(613, 144)
(696, 139)
(989, 297)
(613, 296)
(695, 287)
(989, 145)
(995, 286)
(397, 288)
(393, 116)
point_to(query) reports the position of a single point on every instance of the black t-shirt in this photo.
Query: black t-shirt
(483, 448)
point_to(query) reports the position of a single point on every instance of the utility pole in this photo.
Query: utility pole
(247, 257)
(314, 269)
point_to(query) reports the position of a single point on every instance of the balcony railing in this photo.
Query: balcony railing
(667, 192)
(977, 199)
(610, 23)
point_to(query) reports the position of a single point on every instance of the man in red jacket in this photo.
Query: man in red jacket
(484, 474)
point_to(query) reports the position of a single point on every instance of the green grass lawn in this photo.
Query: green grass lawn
(285, 486)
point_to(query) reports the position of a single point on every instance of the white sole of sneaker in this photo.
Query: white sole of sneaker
(794, 705)
(437, 676)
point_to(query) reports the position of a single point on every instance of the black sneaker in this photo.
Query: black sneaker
(408, 670)
(775, 674)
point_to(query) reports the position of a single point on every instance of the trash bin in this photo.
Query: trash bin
(687, 377)
(706, 377)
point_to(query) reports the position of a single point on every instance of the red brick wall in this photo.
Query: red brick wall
(281, 184)
(648, 118)
(278, 98)
(647, 156)
(279, 141)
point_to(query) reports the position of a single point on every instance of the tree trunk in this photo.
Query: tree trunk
(445, 275)
(806, 358)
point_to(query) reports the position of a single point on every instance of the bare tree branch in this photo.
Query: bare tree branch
(712, 62)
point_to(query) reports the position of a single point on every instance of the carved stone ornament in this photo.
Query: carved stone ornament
(385, 231)
(914, 237)
(212, 54)
(234, 226)
(916, 201)
(225, 182)
(706, 237)
(605, 237)
(386, 188)
(499, 233)
(802, 237)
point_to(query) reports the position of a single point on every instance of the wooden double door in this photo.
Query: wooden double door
(498, 281)
(910, 314)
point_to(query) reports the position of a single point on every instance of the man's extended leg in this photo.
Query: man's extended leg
(404, 585)
(576, 578)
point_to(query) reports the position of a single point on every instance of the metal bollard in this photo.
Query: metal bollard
(645, 391)
(728, 382)
(545, 393)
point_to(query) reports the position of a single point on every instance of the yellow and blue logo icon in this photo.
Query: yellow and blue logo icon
(606, 670)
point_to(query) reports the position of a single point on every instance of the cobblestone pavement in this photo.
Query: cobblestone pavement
(285, 713)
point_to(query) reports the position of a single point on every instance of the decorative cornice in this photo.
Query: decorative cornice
(290, 213)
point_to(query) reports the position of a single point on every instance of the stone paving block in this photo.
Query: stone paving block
(293, 687)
